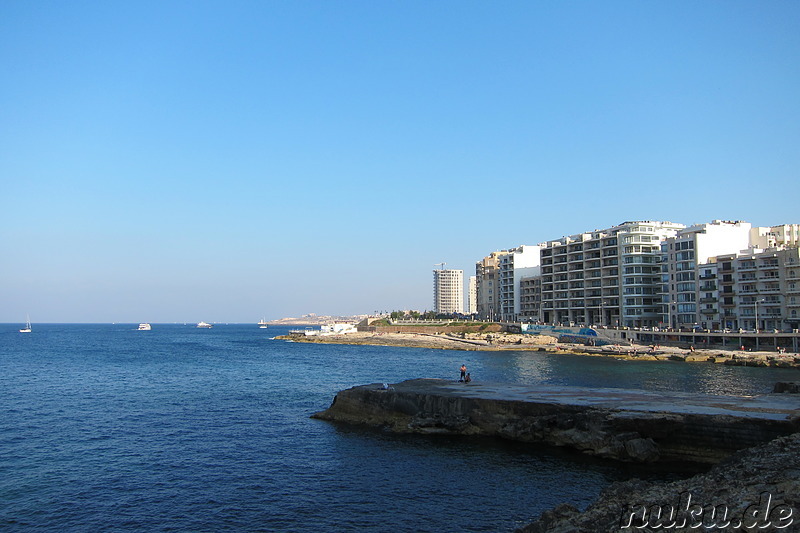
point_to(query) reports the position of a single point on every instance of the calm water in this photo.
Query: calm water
(183, 429)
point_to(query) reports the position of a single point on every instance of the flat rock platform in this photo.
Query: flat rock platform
(627, 425)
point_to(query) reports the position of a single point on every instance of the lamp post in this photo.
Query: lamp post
(601, 308)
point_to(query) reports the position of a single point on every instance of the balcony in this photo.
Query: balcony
(707, 300)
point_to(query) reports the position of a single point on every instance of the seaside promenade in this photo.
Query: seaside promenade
(626, 348)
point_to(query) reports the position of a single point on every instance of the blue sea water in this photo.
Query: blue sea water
(105, 428)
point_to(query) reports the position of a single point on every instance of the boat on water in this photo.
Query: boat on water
(27, 328)
(204, 325)
(262, 324)
(144, 326)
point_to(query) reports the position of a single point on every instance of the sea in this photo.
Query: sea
(106, 428)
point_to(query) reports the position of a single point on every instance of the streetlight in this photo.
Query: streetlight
(602, 318)
(756, 313)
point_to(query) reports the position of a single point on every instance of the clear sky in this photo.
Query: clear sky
(230, 160)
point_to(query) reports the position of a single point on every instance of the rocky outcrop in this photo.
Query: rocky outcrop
(754, 490)
(635, 426)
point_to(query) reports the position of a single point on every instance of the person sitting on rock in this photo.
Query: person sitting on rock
(467, 378)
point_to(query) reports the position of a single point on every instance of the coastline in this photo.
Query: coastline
(550, 345)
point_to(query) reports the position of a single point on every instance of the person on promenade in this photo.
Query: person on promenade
(463, 372)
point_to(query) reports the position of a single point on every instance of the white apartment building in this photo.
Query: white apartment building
(760, 289)
(515, 264)
(448, 291)
(689, 271)
(787, 235)
(729, 275)
(488, 290)
(605, 277)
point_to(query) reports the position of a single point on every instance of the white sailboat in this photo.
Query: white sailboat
(262, 324)
(27, 328)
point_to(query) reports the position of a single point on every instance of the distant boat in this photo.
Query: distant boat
(204, 325)
(27, 328)
(262, 324)
(144, 326)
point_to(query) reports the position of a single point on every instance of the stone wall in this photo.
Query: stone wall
(468, 328)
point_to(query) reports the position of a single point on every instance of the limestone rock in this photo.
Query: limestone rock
(758, 488)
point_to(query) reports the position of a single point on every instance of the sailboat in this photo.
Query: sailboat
(262, 324)
(27, 328)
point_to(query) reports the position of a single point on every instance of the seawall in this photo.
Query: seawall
(625, 425)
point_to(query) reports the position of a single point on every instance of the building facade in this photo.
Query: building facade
(515, 264)
(609, 277)
(530, 305)
(487, 272)
(690, 291)
(760, 289)
(448, 291)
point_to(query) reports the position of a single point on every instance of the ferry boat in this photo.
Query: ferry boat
(204, 325)
(144, 326)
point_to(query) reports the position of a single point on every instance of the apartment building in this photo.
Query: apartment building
(487, 273)
(787, 235)
(530, 305)
(448, 291)
(760, 289)
(605, 277)
(690, 289)
(515, 264)
(729, 275)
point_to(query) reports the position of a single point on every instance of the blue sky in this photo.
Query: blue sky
(224, 161)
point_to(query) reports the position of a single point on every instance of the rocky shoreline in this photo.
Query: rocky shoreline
(752, 441)
(757, 489)
(545, 344)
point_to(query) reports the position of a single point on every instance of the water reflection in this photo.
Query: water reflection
(583, 371)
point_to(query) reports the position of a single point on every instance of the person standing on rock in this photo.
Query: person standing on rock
(463, 372)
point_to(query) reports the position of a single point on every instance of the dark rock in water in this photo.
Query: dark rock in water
(757, 489)
(625, 425)
(787, 386)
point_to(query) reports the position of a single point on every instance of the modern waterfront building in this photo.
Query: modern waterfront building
(605, 277)
(530, 301)
(729, 275)
(717, 275)
(515, 264)
(487, 273)
(448, 291)
(760, 289)
(787, 235)
(690, 290)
